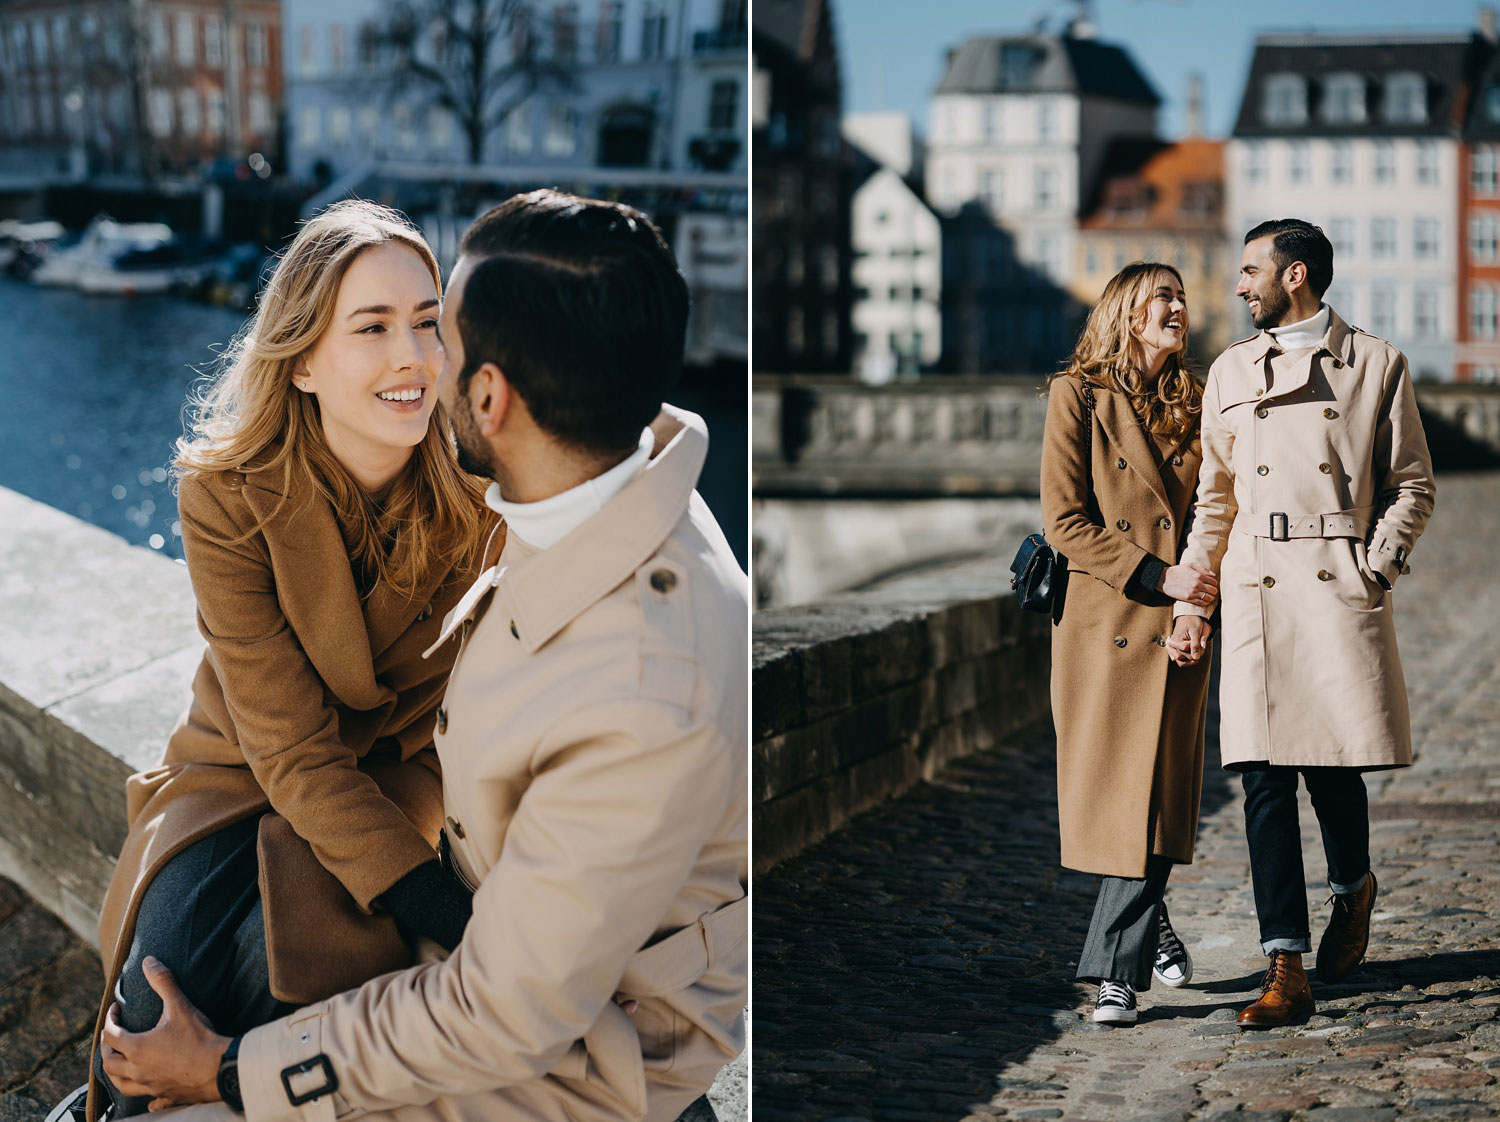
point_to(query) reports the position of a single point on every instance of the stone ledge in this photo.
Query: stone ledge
(98, 644)
(856, 698)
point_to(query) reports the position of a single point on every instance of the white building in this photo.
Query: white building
(1359, 134)
(1019, 128)
(898, 244)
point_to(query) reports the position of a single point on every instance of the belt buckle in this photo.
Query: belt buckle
(1283, 533)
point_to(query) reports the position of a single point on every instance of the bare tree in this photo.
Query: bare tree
(479, 59)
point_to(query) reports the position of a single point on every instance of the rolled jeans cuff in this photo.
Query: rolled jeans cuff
(1346, 889)
(1293, 946)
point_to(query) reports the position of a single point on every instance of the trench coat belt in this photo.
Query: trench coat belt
(1281, 526)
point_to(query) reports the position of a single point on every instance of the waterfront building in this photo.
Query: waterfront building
(1477, 354)
(1019, 129)
(800, 182)
(898, 251)
(91, 87)
(1362, 135)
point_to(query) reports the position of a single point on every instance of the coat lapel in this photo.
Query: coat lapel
(1129, 438)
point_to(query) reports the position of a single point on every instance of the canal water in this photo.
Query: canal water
(95, 390)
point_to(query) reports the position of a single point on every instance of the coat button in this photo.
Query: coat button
(1259, 391)
(1262, 412)
(664, 580)
(1176, 460)
(1119, 640)
(1325, 468)
(456, 826)
(1122, 525)
(1269, 582)
(426, 612)
(1165, 523)
(514, 633)
(1338, 364)
(1161, 641)
(1262, 470)
(442, 720)
(1330, 413)
(1120, 463)
(1324, 574)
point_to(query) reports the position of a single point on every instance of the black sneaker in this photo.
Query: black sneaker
(1174, 966)
(1116, 1004)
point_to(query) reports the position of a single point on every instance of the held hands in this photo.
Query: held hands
(1190, 584)
(177, 1062)
(1189, 641)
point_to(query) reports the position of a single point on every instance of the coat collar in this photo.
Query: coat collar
(1337, 342)
(1127, 434)
(545, 590)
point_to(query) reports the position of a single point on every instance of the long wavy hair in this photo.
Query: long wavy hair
(1108, 353)
(249, 418)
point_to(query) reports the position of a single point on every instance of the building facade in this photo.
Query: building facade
(1362, 135)
(1477, 354)
(160, 87)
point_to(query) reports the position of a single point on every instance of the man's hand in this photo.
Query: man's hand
(1189, 639)
(1189, 584)
(177, 1062)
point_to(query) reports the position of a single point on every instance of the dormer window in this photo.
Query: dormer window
(1285, 99)
(1344, 99)
(1406, 99)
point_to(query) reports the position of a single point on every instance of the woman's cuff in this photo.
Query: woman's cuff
(1148, 574)
(428, 901)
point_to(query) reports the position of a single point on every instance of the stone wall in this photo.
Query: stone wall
(858, 697)
(97, 651)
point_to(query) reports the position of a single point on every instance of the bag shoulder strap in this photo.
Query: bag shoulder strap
(1088, 427)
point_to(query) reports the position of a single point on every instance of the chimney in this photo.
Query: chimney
(1195, 104)
(1082, 25)
(1487, 24)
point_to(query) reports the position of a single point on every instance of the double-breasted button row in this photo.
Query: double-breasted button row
(1176, 460)
(1262, 412)
(1324, 574)
(1121, 464)
(1165, 523)
(1269, 582)
(1326, 468)
(426, 612)
(1262, 470)
(1160, 640)
(1330, 413)
(1120, 640)
(1122, 524)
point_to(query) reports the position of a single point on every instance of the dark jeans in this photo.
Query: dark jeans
(201, 917)
(1121, 943)
(1275, 839)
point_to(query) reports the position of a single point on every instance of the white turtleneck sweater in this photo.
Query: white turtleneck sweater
(543, 524)
(1308, 333)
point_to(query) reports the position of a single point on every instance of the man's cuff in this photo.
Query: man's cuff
(284, 1076)
(1181, 609)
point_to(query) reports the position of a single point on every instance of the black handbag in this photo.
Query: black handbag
(1040, 573)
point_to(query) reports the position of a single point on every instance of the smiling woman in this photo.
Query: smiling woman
(328, 529)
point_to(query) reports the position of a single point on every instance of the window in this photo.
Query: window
(654, 32)
(339, 130)
(1382, 237)
(259, 106)
(307, 52)
(44, 114)
(724, 106)
(59, 38)
(1482, 172)
(369, 127)
(565, 31)
(439, 130)
(1091, 258)
(1406, 98)
(159, 110)
(1484, 236)
(255, 45)
(1046, 123)
(1483, 308)
(518, 131)
(1255, 163)
(214, 103)
(405, 133)
(1484, 374)
(1046, 189)
(992, 119)
(1341, 237)
(1382, 311)
(158, 35)
(1297, 164)
(1425, 314)
(213, 40)
(1385, 162)
(39, 41)
(189, 115)
(24, 121)
(607, 39)
(1344, 99)
(562, 128)
(1341, 162)
(183, 32)
(309, 126)
(992, 189)
(1284, 99)
(18, 44)
(338, 48)
(1425, 239)
(1427, 166)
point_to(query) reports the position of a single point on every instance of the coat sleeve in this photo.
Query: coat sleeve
(1067, 489)
(1214, 507)
(287, 731)
(601, 843)
(1402, 465)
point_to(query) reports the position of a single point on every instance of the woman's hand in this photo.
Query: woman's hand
(1189, 584)
(1189, 641)
(177, 1062)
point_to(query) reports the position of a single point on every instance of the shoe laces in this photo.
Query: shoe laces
(1276, 972)
(1115, 993)
(1168, 946)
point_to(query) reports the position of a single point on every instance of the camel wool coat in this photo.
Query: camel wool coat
(1129, 723)
(1316, 483)
(594, 741)
(310, 700)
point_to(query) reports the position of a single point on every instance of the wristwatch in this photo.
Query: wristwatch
(229, 1077)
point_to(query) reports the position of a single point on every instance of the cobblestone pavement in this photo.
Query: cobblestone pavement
(918, 965)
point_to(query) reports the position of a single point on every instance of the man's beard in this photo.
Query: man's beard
(474, 453)
(1273, 307)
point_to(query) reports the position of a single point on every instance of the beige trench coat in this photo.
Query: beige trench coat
(1316, 481)
(594, 744)
(1129, 723)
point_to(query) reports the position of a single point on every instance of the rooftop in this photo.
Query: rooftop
(1045, 64)
(1153, 185)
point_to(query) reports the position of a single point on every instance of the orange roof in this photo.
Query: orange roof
(1154, 185)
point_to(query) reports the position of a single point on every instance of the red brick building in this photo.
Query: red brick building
(1477, 356)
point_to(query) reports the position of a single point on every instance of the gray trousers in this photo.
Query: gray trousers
(1121, 943)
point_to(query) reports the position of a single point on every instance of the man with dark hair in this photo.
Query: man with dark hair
(594, 735)
(1316, 483)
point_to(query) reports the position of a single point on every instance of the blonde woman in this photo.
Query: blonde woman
(285, 849)
(1119, 465)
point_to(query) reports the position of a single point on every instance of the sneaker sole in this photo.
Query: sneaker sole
(1115, 1016)
(62, 1112)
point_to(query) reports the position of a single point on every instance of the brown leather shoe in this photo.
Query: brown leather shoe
(1348, 933)
(1285, 995)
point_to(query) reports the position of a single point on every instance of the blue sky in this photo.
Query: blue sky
(891, 51)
